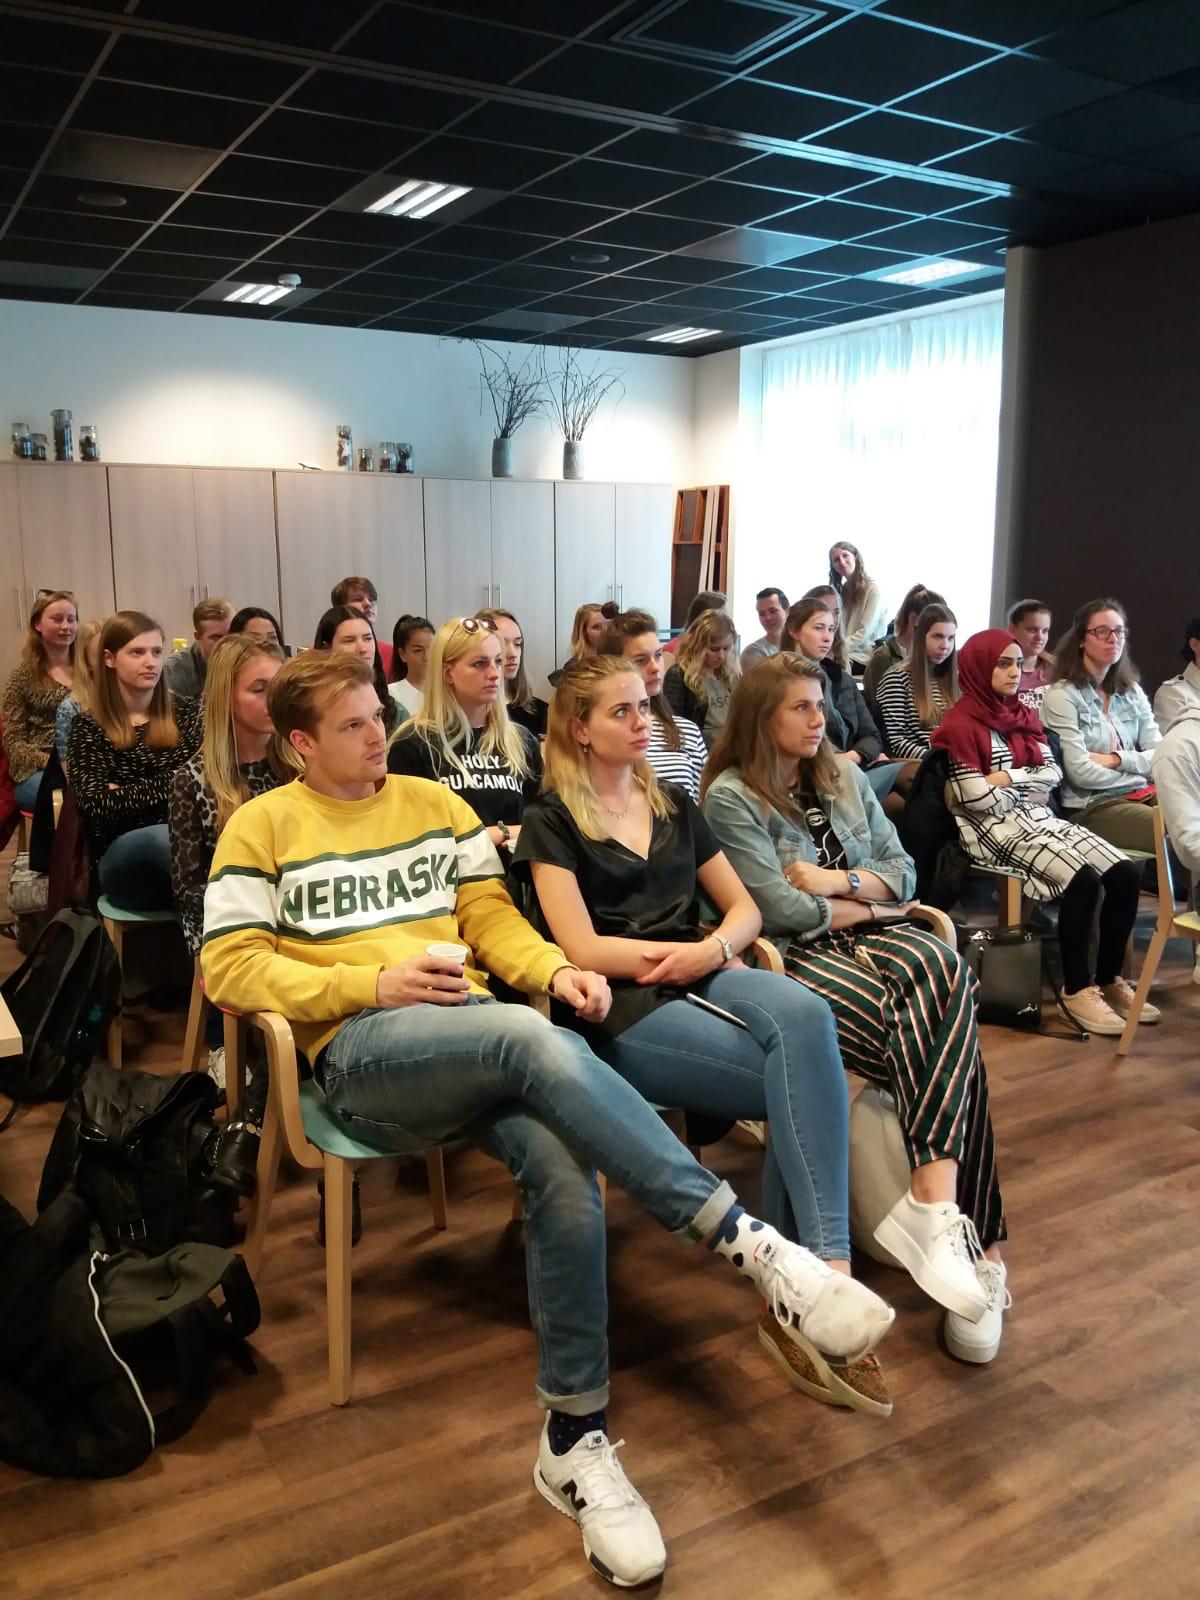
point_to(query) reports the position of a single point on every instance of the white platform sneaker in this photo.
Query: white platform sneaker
(939, 1249)
(979, 1341)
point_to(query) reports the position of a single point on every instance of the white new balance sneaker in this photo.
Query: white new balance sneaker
(588, 1484)
(979, 1341)
(939, 1248)
(833, 1312)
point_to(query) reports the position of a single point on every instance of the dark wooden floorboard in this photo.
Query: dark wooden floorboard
(1068, 1468)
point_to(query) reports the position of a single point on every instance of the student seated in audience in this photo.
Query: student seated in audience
(1029, 623)
(256, 623)
(524, 707)
(412, 640)
(87, 654)
(35, 689)
(185, 669)
(362, 594)
(1175, 694)
(812, 632)
(772, 608)
(407, 1048)
(699, 682)
(1001, 777)
(706, 600)
(676, 752)
(864, 618)
(463, 736)
(1176, 771)
(915, 695)
(618, 863)
(1106, 728)
(347, 631)
(123, 752)
(241, 756)
(807, 837)
(895, 648)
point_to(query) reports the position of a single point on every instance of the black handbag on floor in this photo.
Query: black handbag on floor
(1009, 963)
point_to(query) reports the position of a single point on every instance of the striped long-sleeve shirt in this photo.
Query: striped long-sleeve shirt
(907, 740)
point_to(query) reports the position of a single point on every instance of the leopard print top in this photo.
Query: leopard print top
(193, 824)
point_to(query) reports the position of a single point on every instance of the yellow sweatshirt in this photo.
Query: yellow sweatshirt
(310, 898)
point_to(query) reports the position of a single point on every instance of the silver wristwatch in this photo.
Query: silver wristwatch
(855, 881)
(726, 947)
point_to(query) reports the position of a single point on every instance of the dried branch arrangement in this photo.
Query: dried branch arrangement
(573, 394)
(515, 390)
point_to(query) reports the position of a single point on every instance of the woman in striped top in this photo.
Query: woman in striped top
(808, 838)
(916, 694)
(676, 751)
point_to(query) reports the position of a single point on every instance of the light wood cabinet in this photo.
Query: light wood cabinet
(235, 536)
(644, 518)
(584, 553)
(523, 569)
(153, 515)
(458, 547)
(14, 610)
(65, 533)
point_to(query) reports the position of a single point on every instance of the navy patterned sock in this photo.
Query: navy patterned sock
(748, 1243)
(567, 1430)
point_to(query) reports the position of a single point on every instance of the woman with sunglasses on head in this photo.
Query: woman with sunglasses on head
(346, 629)
(676, 751)
(617, 863)
(698, 685)
(36, 688)
(1001, 775)
(464, 736)
(864, 618)
(412, 639)
(916, 694)
(1106, 728)
(524, 707)
(807, 837)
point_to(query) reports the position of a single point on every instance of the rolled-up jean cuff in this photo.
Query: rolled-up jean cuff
(709, 1215)
(575, 1405)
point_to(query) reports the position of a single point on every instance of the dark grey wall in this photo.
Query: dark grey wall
(1106, 490)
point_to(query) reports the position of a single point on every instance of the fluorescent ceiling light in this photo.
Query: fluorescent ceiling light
(682, 335)
(931, 272)
(258, 294)
(417, 197)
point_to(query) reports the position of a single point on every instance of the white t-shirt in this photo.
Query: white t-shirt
(409, 698)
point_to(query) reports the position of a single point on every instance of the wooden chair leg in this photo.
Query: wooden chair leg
(435, 1168)
(518, 1205)
(22, 834)
(193, 1039)
(602, 1183)
(270, 1150)
(235, 1060)
(1154, 952)
(338, 1183)
(116, 933)
(1010, 901)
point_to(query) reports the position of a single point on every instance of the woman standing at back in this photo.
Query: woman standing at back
(864, 617)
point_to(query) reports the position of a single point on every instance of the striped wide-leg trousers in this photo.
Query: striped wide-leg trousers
(904, 1004)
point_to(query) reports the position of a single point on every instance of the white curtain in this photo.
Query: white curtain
(885, 436)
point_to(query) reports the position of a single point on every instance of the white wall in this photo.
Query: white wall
(215, 391)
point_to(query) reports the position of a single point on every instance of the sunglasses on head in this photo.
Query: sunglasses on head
(477, 624)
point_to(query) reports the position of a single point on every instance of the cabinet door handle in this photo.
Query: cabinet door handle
(204, 593)
(20, 607)
(499, 598)
(621, 595)
(192, 592)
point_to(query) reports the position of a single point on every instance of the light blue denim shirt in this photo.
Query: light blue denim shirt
(760, 841)
(1077, 716)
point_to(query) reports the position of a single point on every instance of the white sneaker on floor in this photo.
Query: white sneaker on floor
(838, 1315)
(216, 1066)
(979, 1341)
(939, 1249)
(1120, 995)
(588, 1484)
(1091, 1010)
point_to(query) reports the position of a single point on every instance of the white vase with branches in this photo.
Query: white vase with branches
(516, 392)
(572, 398)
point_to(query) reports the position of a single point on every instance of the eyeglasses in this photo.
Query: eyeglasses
(477, 624)
(1105, 634)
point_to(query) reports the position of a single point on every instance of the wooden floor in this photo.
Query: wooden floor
(1070, 1467)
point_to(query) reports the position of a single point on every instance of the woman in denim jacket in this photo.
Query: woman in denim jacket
(1106, 727)
(810, 841)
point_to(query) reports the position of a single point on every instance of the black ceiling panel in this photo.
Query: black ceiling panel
(620, 183)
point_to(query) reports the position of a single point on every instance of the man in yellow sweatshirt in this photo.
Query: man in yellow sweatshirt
(324, 899)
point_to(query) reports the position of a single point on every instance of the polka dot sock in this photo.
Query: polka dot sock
(749, 1244)
(567, 1430)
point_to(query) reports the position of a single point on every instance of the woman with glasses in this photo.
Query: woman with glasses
(463, 735)
(36, 688)
(1106, 727)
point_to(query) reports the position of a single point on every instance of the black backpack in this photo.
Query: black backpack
(62, 998)
(134, 1146)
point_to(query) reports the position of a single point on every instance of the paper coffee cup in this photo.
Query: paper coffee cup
(449, 952)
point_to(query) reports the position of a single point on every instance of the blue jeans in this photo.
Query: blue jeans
(787, 1068)
(135, 870)
(26, 791)
(536, 1098)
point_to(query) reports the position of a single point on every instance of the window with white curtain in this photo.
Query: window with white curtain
(885, 436)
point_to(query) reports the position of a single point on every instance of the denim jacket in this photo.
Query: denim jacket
(758, 840)
(1076, 713)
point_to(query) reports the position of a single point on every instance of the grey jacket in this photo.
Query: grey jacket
(760, 842)
(1176, 771)
(1175, 695)
(1077, 716)
(185, 672)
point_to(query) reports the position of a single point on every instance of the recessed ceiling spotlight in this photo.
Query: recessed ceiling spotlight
(591, 258)
(416, 198)
(681, 335)
(102, 199)
(260, 294)
(930, 272)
